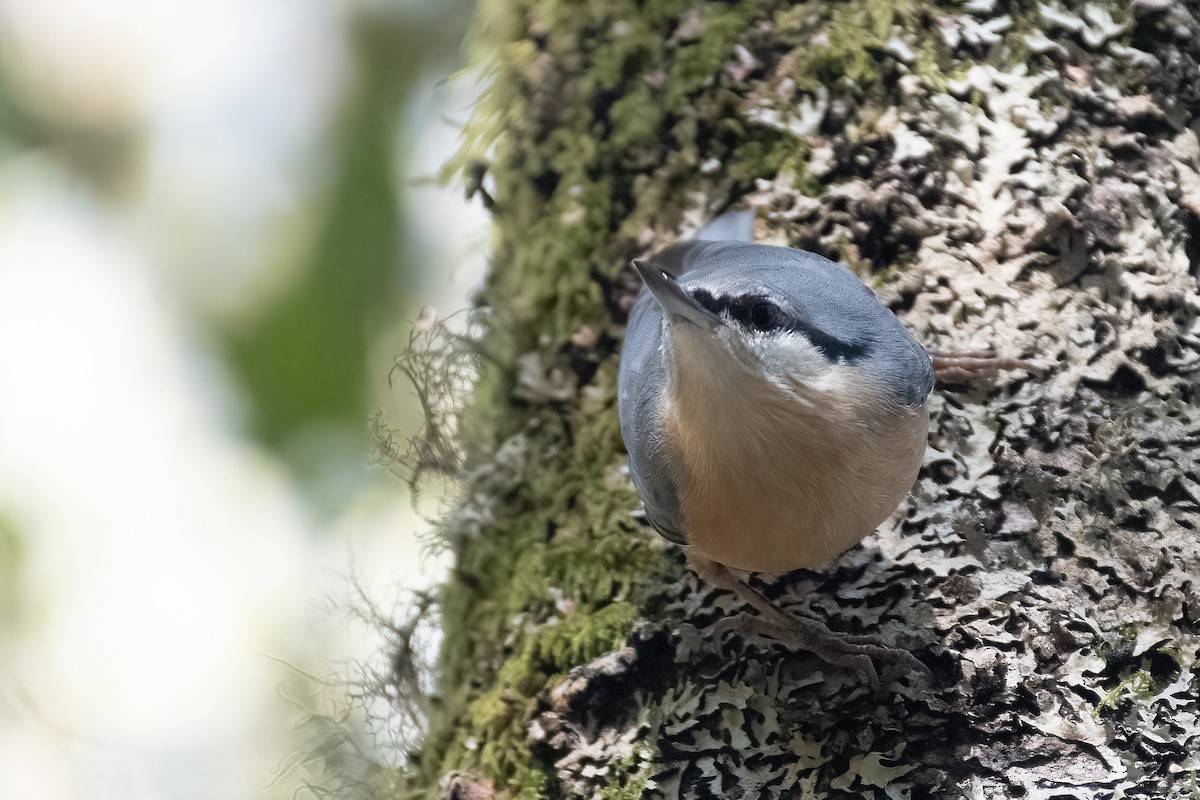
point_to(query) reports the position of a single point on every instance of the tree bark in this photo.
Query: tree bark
(1016, 176)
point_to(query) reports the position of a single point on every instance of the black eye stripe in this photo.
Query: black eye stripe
(705, 298)
(752, 310)
(758, 313)
(744, 308)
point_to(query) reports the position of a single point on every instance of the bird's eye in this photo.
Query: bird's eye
(765, 315)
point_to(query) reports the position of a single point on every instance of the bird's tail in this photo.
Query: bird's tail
(732, 226)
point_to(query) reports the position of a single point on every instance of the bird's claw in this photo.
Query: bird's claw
(964, 366)
(860, 654)
(855, 652)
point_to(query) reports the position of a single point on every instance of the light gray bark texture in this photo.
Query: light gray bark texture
(1016, 176)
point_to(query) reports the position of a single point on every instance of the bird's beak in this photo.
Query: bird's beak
(677, 304)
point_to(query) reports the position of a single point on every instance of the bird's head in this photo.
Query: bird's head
(724, 329)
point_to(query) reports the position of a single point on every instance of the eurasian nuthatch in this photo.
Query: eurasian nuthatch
(773, 409)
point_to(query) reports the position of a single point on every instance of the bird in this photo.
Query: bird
(775, 412)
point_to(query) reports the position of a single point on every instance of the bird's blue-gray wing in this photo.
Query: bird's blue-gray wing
(640, 387)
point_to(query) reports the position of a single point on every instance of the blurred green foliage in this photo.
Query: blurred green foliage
(303, 360)
(102, 156)
(12, 551)
(10, 122)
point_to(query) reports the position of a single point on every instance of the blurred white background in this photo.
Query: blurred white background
(178, 523)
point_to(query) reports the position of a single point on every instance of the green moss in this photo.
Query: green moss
(930, 65)
(497, 721)
(1138, 686)
(558, 528)
(806, 183)
(637, 119)
(766, 151)
(851, 42)
(630, 781)
(698, 64)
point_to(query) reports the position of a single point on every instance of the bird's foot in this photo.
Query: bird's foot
(860, 654)
(963, 366)
(864, 656)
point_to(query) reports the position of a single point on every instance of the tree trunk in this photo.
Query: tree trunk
(1011, 175)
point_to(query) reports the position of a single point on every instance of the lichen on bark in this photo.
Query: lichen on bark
(1021, 176)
